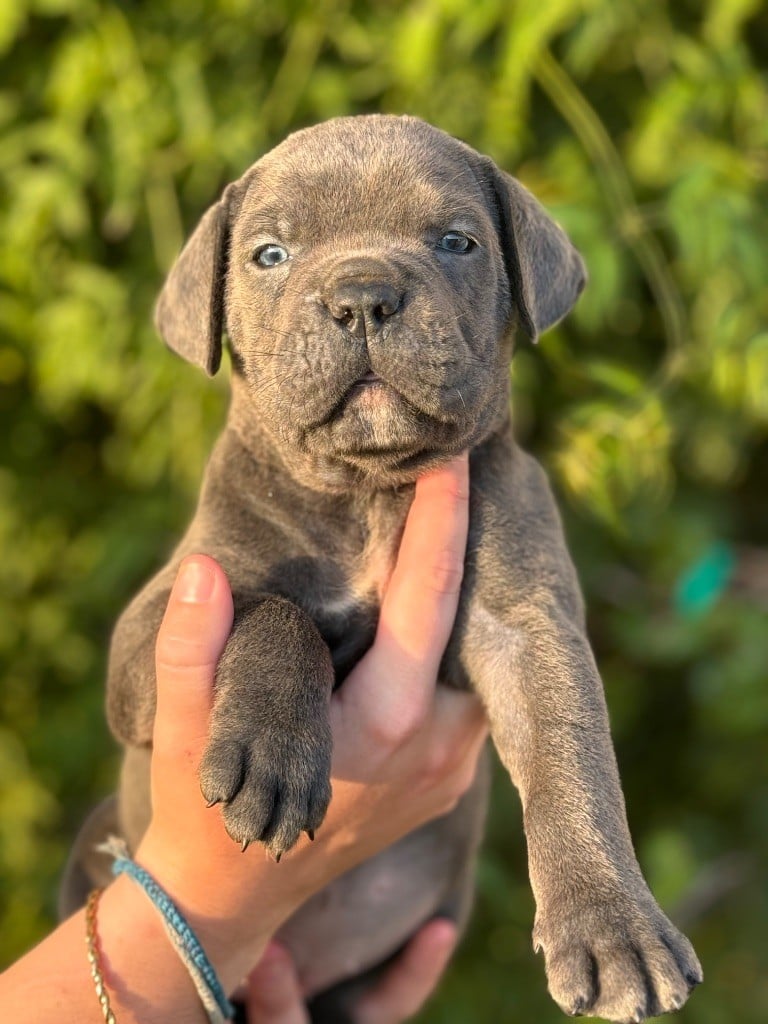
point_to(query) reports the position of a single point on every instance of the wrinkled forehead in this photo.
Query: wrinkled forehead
(360, 175)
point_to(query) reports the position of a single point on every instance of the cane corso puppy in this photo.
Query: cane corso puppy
(370, 275)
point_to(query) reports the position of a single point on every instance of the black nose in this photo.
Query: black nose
(363, 306)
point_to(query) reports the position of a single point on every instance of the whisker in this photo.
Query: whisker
(278, 379)
(266, 352)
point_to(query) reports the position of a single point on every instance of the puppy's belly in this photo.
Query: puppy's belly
(367, 914)
(362, 917)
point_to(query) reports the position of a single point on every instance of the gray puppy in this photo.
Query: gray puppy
(370, 274)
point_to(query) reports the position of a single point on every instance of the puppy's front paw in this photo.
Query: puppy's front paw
(273, 786)
(622, 960)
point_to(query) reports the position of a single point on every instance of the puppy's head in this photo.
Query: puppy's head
(369, 273)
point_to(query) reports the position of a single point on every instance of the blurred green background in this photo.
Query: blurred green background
(642, 125)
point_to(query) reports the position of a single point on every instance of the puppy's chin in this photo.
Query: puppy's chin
(375, 419)
(372, 436)
(375, 438)
(371, 471)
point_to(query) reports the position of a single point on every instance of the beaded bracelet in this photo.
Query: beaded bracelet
(94, 955)
(185, 942)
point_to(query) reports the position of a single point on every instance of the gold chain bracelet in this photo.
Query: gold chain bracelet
(94, 955)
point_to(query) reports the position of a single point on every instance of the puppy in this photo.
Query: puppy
(370, 274)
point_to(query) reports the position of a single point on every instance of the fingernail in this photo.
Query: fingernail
(195, 581)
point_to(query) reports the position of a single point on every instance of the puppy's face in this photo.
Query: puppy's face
(363, 277)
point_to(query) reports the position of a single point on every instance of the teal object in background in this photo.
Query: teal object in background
(700, 586)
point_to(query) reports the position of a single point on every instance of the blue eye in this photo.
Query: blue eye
(270, 255)
(456, 241)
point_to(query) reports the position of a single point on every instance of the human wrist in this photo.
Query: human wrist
(145, 979)
(233, 904)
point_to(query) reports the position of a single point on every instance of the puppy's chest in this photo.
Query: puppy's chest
(342, 591)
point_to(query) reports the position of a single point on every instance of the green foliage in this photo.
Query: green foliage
(643, 126)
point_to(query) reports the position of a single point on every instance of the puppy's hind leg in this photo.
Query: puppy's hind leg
(86, 868)
(336, 1005)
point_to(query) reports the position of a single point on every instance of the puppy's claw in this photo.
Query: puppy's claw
(246, 844)
(277, 857)
(212, 803)
(311, 834)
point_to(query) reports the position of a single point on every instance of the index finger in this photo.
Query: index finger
(422, 596)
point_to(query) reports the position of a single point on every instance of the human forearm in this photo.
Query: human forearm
(145, 980)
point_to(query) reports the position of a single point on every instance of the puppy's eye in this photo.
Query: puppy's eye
(456, 241)
(270, 255)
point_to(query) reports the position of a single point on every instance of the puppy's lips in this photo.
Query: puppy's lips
(369, 379)
(373, 396)
(370, 389)
(374, 424)
(369, 399)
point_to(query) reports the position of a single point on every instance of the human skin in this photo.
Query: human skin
(273, 992)
(394, 733)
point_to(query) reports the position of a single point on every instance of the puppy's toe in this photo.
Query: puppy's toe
(272, 788)
(620, 960)
(571, 975)
(222, 770)
(249, 814)
(296, 810)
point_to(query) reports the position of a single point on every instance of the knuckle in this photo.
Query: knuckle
(397, 730)
(439, 762)
(444, 800)
(450, 775)
(458, 491)
(447, 763)
(444, 576)
(181, 652)
(450, 803)
(465, 780)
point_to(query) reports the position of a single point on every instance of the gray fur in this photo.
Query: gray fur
(304, 501)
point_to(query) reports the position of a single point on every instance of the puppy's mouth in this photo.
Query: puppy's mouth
(368, 380)
(374, 427)
(371, 414)
(372, 397)
(369, 390)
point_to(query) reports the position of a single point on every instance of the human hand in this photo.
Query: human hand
(274, 995)
(393, 734)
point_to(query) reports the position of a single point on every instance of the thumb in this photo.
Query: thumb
(192, 636)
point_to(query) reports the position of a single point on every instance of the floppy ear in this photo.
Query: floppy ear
(546, 272)
(190, 310)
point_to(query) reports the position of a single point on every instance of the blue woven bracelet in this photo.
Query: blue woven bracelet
(212, 995)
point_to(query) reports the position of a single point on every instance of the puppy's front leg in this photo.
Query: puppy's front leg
(609, 949)
(269, 754)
